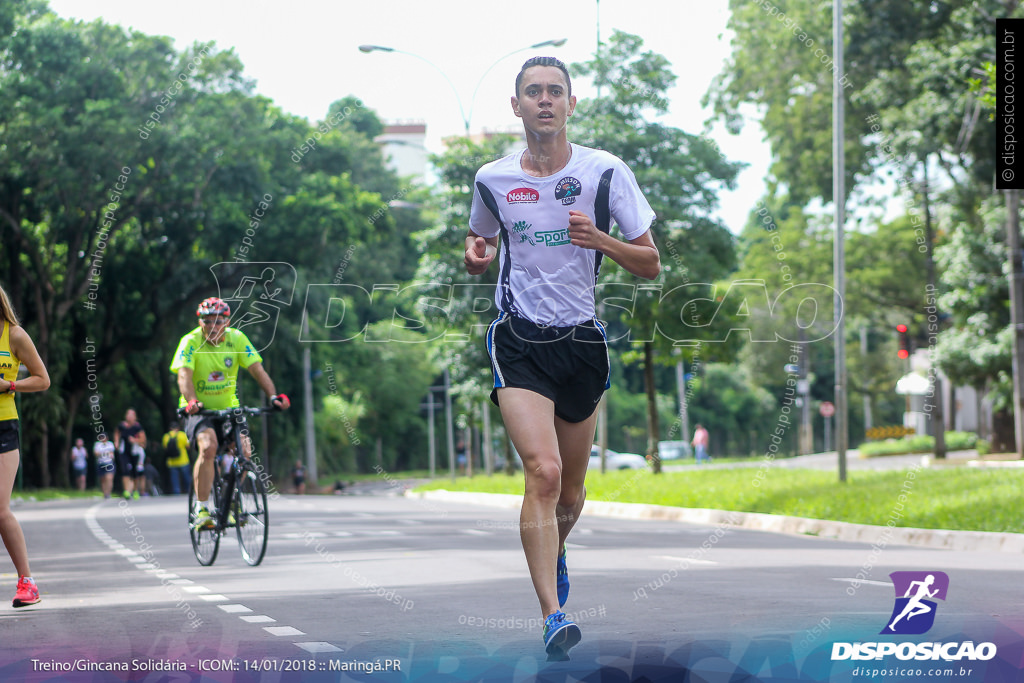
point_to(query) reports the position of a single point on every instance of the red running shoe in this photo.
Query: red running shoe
(28, 593)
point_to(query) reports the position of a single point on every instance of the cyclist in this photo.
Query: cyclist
(207, 362)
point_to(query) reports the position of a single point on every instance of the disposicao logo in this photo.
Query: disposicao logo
(914, 613)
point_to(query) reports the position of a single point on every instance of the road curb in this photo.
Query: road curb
(983, 541)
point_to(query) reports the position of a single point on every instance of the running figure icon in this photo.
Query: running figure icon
(917, 593)
(915, 607)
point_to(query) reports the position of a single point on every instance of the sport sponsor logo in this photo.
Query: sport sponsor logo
(523, 195)
(553, 238)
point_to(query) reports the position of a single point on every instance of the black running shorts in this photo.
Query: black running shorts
(568, 365)
(9, 436)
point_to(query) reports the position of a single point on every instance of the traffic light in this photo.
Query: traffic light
(904, 351)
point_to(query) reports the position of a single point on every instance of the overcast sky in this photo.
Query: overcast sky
(303, 54)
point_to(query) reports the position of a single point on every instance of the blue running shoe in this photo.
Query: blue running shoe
(562, 573)
(560, 634)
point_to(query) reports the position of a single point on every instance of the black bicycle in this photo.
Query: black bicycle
(239, 494)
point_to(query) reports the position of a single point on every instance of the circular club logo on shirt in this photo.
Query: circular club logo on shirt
(567, 189)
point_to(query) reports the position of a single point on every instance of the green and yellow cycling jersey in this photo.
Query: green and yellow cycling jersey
(215, 367)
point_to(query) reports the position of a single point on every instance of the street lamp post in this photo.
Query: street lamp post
(462, 111)
(547, 43)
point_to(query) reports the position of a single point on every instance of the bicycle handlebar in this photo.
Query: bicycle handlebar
(228, 412)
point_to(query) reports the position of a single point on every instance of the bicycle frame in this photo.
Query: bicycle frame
(239, 494)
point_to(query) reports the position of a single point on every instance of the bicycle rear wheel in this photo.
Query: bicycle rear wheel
(251, 514)
(205, 541)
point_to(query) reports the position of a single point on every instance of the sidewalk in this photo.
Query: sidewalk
(978, 541)
(829, 461)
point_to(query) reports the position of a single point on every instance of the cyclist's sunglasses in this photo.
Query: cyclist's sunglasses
(219, 320)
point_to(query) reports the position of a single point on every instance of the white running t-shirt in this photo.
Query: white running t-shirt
(542, 277)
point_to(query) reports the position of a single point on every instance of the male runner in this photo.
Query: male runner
(207, 362)
(552, 206)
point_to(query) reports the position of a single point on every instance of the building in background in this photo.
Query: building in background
(405, 150)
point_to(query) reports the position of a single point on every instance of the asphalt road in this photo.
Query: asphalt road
(440, 591)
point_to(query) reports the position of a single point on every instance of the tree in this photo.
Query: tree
(128, 170)
(733, 408)
(977, 348)
(70, 113)
(911, 109)
(783, 63)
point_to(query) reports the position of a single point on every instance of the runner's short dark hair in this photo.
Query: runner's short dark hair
(544, 61)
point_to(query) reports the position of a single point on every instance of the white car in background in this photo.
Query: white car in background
(674, 450)
(615, 460)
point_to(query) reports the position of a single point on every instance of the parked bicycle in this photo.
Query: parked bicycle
(239, 494)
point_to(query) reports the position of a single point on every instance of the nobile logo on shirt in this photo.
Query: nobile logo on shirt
(523, 195)
(916, 592)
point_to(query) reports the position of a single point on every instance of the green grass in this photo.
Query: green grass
(31, 495)
(327, 480)
(957, 498)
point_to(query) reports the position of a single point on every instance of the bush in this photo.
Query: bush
(961, 441)
(955, 441)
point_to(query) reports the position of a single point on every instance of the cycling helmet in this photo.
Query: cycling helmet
(213, 306)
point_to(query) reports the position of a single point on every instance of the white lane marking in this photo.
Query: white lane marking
(477, 532)
(161, 574)
(319, 647)
(291, 536)
(868, 582)
(283, 631)
(203, 593)
(234, 609)
(683, 559)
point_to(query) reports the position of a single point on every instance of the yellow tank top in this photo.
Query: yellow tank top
(9, 364)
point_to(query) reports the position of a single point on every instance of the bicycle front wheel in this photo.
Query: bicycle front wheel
(251, 514)
(205, 541)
